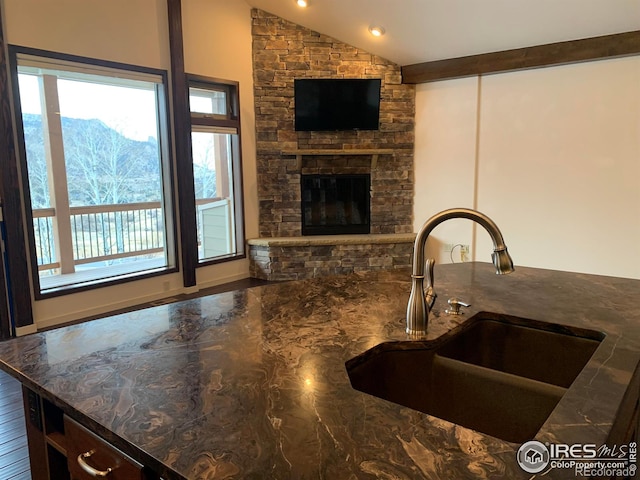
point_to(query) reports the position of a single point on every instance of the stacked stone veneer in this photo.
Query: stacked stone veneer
(284, 51)
(296, 258)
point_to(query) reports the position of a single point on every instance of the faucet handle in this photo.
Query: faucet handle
(429, 292)
(454, 306)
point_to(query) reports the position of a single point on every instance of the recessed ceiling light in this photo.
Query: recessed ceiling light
(376, 30)
(302, 3)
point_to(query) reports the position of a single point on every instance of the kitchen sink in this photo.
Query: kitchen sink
(552, 354)
(499, 375)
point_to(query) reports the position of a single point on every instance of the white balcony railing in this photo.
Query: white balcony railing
(103, 235)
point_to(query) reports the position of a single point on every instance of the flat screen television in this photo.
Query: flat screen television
(330, 104)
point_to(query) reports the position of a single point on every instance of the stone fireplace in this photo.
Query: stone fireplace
(282, 52)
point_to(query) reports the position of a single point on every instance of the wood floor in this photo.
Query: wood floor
(14, 456)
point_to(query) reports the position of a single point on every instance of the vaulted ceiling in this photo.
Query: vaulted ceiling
(424, 30)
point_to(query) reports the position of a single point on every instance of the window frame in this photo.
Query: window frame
(231, 121)
(166, 165)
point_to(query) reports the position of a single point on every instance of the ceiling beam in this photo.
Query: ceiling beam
(572, 51)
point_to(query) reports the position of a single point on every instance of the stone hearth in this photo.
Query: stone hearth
(295, 258)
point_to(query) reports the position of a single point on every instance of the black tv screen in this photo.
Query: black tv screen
(325, 104)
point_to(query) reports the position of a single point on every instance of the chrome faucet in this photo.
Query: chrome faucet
(417, 309)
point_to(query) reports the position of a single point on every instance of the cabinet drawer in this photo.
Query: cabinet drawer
(90, 457)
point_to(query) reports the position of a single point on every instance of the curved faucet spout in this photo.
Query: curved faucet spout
(417, 309)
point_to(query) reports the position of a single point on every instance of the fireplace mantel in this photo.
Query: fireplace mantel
(373, 152)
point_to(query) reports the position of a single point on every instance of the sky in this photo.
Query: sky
(130, 111)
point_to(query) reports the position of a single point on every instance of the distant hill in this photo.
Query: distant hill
(103, 166)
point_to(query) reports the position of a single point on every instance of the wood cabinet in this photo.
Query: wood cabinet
(62, 449)
(626, 427)
(89, 457)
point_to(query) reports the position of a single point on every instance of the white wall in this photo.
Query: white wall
(555, 157)
(217, 41)
(217, 44)
(445, 155)
(127, 31)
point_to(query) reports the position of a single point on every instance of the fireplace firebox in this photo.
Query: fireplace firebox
(335, 204)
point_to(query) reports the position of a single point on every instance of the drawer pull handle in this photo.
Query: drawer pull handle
(94, 472)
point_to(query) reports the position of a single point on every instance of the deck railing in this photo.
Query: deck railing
(102, 233)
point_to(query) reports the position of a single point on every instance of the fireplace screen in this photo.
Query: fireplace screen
(335, 204)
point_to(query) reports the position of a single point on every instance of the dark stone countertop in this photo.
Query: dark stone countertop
(252, 383)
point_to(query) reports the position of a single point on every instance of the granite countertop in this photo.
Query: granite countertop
(252, 383)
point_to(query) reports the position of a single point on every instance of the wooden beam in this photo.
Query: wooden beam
(374, 152)
(182, 132)
(607, 46)
(11, 200)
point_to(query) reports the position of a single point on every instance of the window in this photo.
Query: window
(94, 148)
(215, 154)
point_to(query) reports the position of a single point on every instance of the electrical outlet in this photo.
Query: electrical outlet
(464, 253)
(458, 252)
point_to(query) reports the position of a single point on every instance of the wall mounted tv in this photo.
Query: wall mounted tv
(330, 104)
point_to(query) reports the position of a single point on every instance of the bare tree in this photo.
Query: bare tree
(107, 167)
(36, 163)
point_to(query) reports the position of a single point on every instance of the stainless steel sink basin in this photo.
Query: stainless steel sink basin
(499, 375)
